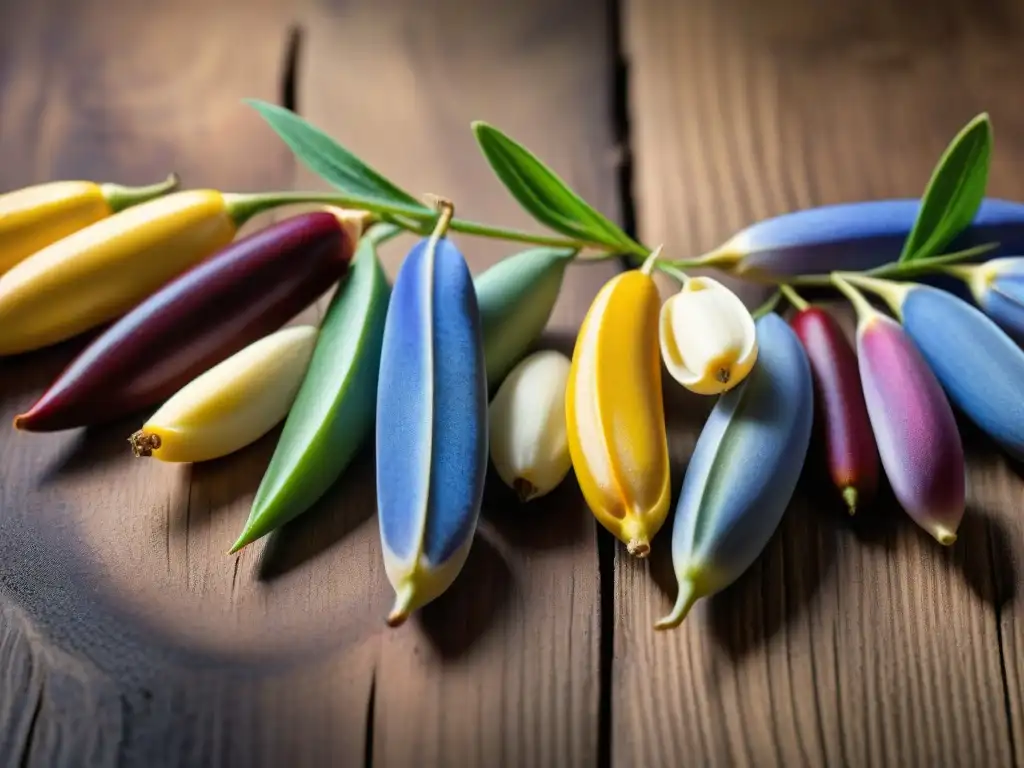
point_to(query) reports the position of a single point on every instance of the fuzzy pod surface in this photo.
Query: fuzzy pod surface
(979, 366)
(743, 470)
(431, 430)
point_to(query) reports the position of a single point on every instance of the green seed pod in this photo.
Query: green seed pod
(334, 409)
(333, 414)
(516, 297)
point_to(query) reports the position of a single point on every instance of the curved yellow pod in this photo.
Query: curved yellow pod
(35, 217)
(233, 404)
(615, 415)
(98, 273)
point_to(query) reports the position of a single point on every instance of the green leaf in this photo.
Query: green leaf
(332, 162)
(954, 192)
(544, 195)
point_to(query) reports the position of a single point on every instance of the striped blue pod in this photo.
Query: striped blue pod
(857, 236)
(743, 471)
(978, 364)
(431, 425)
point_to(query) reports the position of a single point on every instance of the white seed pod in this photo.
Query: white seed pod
(529, 446)
(231, 405)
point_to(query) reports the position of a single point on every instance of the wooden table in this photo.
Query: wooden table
(128, 637)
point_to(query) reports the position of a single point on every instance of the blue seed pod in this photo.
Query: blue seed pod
(977, 363)
(997, 286)
(743, 471)
(431, 425)
(857, 236)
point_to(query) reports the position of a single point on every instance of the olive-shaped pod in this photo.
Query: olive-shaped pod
(233, 404)
(615, 414)
(431, 445)
(743, 470)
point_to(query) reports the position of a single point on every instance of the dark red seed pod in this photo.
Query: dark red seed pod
(849, 442)
(240, 294)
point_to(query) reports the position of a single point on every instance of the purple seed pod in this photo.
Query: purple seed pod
(849, 442)
(914, 426)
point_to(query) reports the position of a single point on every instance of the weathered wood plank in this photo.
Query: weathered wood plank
(504, 669)
(848, 642)
(127, 636)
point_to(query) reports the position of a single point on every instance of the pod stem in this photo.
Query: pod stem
(850, 497)
(119, 197)
(891, 292)
(794, 298)
(648, 264)
(684, 602)
(403, 605)
(860, 304)
(144, 443)
(419, 220)
(768, 306)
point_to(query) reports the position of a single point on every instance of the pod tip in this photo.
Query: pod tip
(524, 489)
(944, 536)
(684, 602)
(402, 608)
(639, 547)
(19, 421)
(850, 497)
(143, 443)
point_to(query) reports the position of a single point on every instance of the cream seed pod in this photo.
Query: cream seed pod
(707, 337)
(529, 444)
(231, 405)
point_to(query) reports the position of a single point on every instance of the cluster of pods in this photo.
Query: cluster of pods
(438, 370)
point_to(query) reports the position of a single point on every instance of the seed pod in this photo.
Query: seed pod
(855, 236)
(516, 297)
(246, 291)
(529, 446)
(333, 413)
(743, 470)
(233, 404)
(707, 337)
(849, 443)
(913, 423)
(978, 365)
(998, 288)
(431, 423)
(37, 216)
(614, 411)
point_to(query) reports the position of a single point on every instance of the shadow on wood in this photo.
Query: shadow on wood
(550, 522)
(349, 503)
(983, 555)
(460, 617)
(92, 448)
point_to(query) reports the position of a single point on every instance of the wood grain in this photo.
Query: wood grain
(504, 668)
(849, 642)
(127, 636)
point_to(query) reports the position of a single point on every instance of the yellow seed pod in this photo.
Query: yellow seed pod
(35, 217)
(615, 414)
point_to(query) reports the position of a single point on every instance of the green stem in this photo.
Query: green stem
(860, 304)
(119, 197)
(671, 271)
(768, 306)
(242, 207)
(891, 292)
(793, 297)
